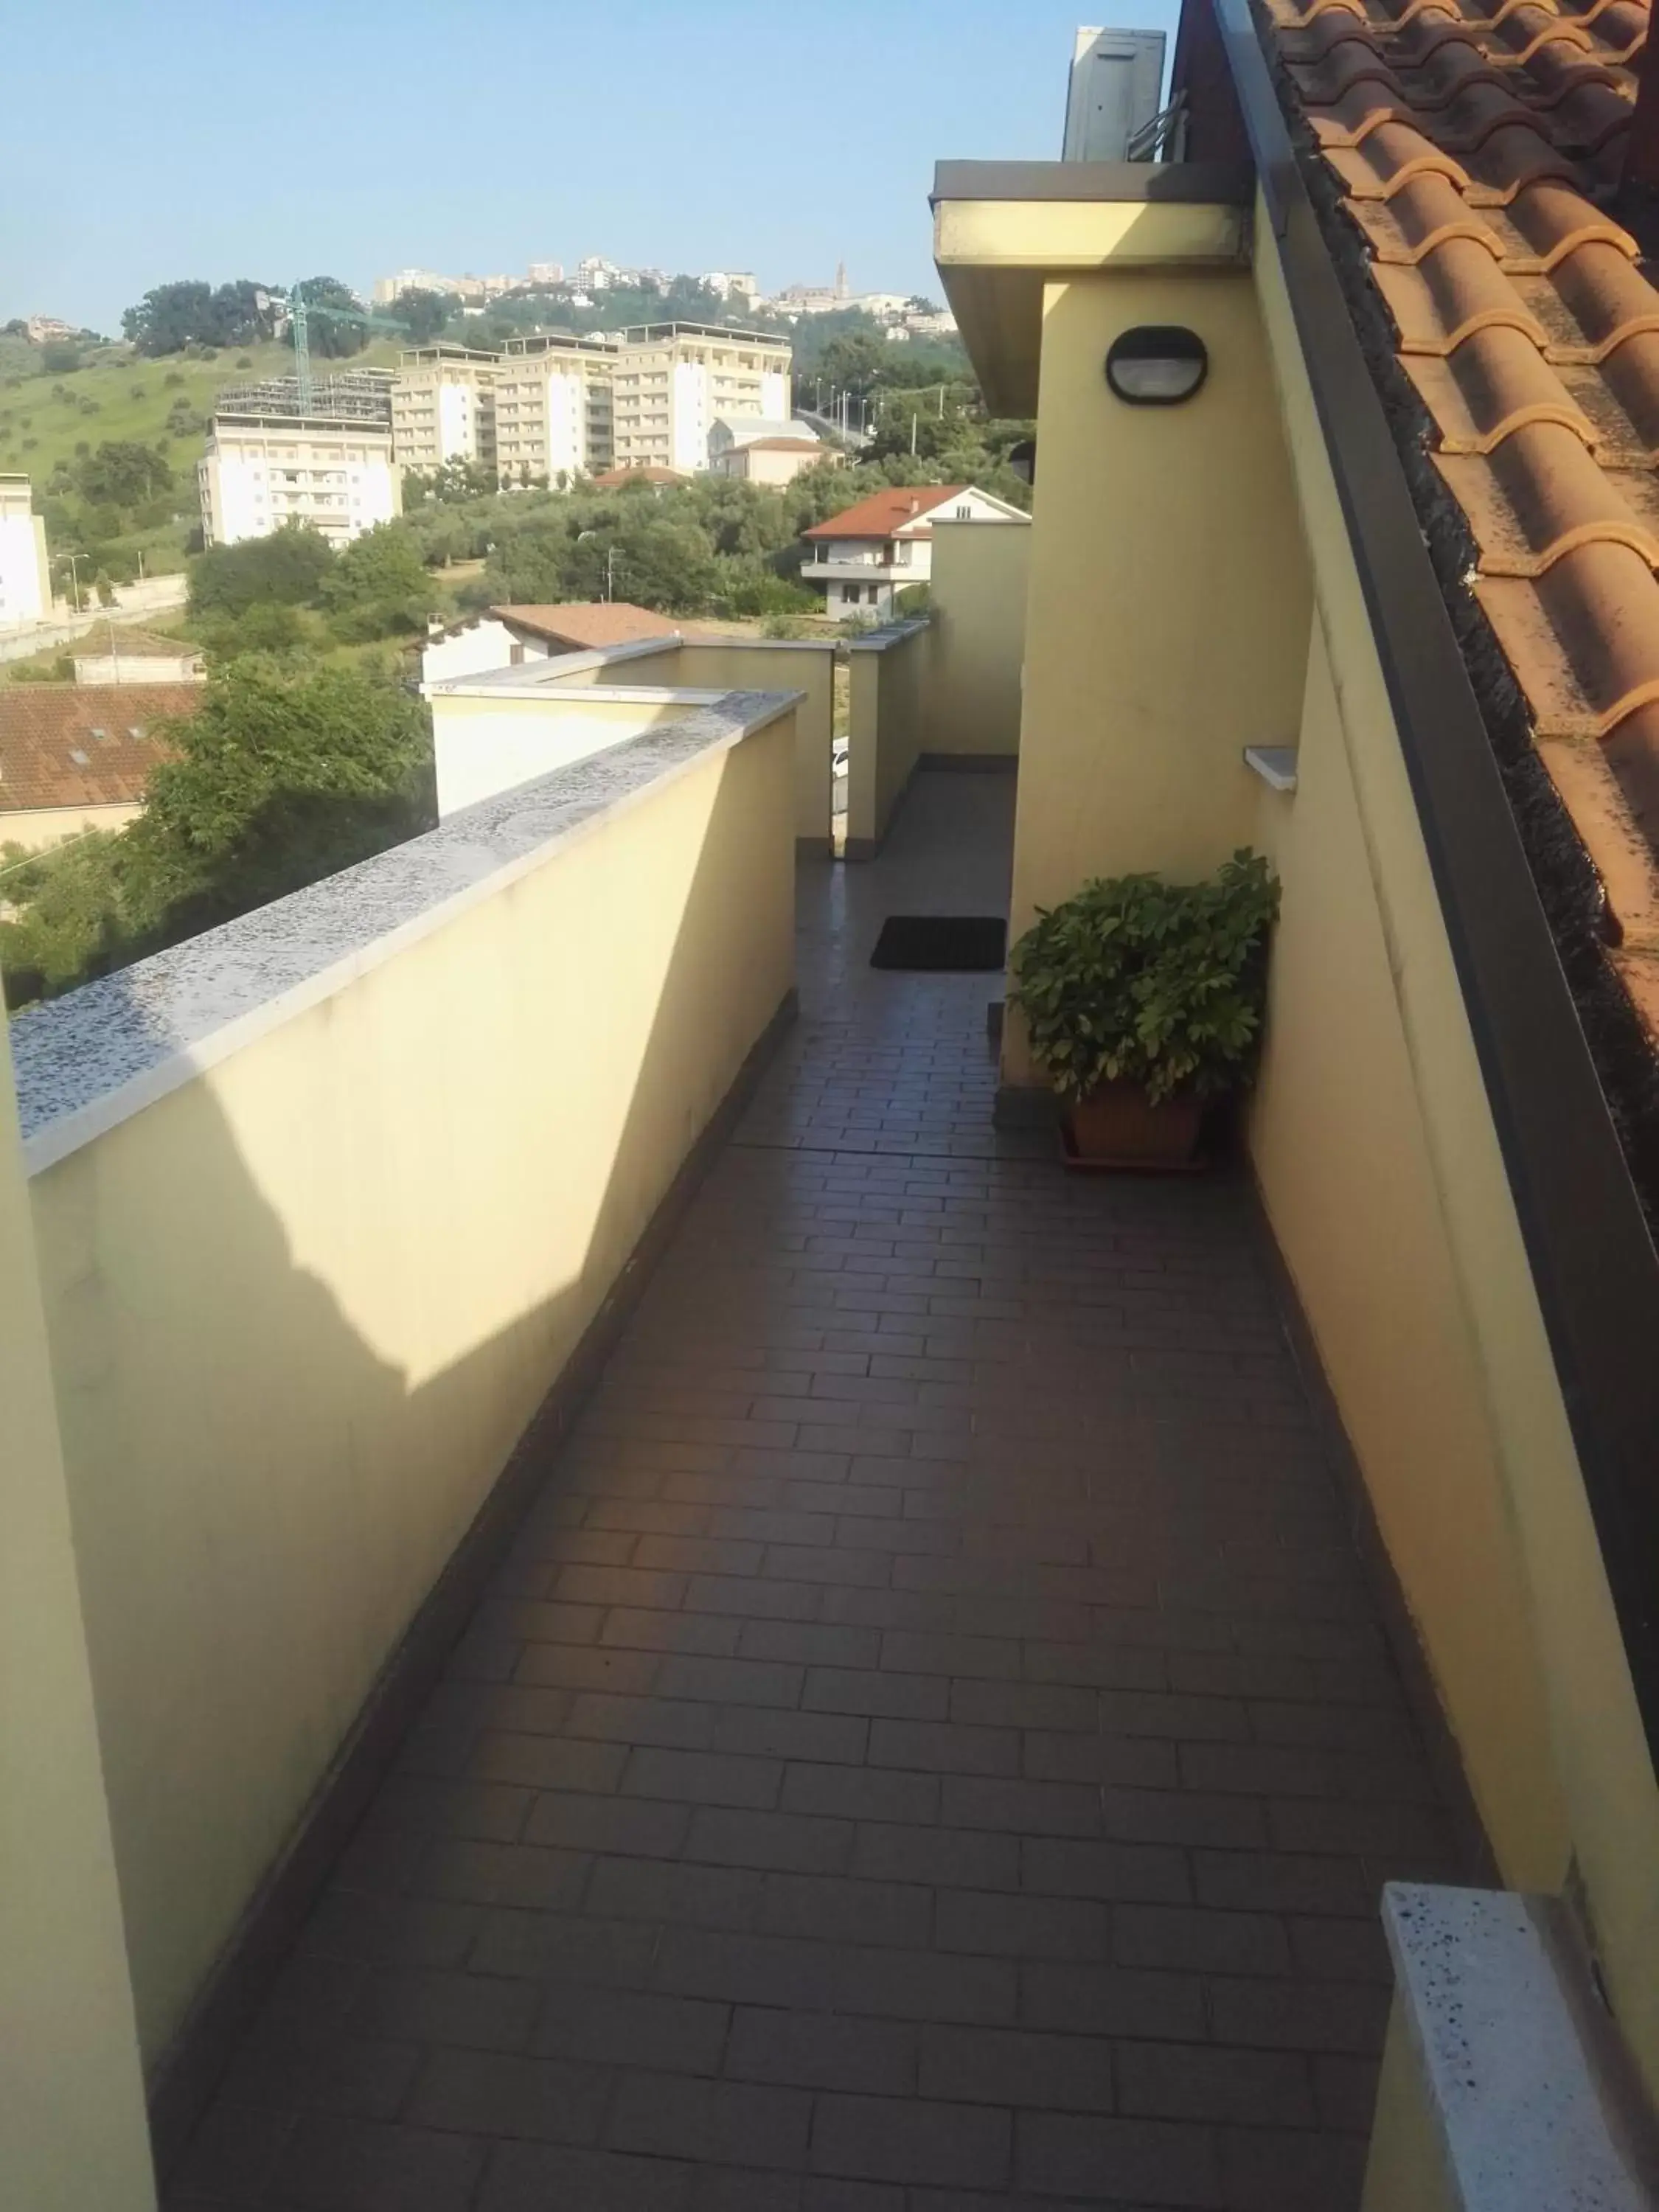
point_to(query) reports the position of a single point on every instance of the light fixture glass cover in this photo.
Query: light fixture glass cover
(1156, 364)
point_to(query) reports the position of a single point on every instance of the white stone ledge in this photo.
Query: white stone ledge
(90, 1059)
(1518, 2064)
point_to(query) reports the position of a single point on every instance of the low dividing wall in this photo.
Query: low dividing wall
(475, 713)
(485, 742)
(324, 1201)
(976, 647)
(888, 675)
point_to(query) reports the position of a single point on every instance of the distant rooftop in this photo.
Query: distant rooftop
(63, 744)
(362, 395)
(650, 333)
(584, 625)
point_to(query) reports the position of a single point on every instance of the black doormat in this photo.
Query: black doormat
(970, 942)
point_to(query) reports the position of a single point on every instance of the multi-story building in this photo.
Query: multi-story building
(553, 406)
(732, 283)
(264, 467)
(25, 578)
(674, 381)
(443, 407)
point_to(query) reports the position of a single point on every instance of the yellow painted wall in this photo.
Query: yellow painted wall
(1166, 621)
(976, 646)
(1192, 592)
(775, 665)
(1407, 2168)
(300, 1309)
(886, 696)
(752, 664)
(37, 827)
(1555, 1750)
(1344, 1163)
(483, 744)
(72, 2129)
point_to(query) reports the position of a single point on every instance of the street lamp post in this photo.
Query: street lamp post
(74, 561)
(610, 563)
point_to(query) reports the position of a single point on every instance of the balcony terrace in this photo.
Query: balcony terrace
(618, 1592)
(931, 1731)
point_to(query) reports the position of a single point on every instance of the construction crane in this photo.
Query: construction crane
(299, 311)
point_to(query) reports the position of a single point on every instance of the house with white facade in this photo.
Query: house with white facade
(755, 450)
(865, 556)
(24, 579)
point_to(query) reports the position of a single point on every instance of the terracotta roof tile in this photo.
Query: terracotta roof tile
(884, 512)
(587, 625)
(1472, 142)
(71, 745)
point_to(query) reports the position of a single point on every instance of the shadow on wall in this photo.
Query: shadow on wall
(302, 1309)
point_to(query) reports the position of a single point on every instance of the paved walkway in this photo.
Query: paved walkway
(931, 1749)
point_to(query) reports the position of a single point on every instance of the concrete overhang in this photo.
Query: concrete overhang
(1003, 229)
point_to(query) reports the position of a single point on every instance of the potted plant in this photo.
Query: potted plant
(1144, 1001)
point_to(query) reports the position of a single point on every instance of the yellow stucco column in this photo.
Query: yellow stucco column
(73, 2135)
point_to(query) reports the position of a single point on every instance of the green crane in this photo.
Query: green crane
(300, 312)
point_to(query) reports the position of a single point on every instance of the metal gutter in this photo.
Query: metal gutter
(1593, 1262)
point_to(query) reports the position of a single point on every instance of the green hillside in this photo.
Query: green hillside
(118, 396)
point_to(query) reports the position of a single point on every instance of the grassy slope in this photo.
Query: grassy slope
(56, 428)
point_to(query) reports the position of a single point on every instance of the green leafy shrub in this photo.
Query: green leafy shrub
(1139, 980)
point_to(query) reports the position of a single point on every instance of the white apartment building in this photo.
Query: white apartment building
(260, 470)
(443, 407)
(553, 407)
(25, 578)
(673, 381)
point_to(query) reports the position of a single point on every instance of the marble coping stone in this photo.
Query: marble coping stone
(1518, 2061)
(87, 1060)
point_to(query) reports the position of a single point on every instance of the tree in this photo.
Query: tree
(282, 775)
(172, 316)
(856, 362)
(424, 313)
(379, 586)
(122, 473)
(289, 567)
(60, 356)
(331, 337)
(167, 319)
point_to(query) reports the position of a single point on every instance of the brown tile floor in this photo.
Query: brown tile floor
(932, 1747)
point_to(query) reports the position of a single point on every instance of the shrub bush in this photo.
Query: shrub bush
(1139, 980)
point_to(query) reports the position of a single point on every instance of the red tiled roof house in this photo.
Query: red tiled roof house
(77, 756)
(866, 554)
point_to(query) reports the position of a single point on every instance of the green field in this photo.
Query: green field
(120, 396)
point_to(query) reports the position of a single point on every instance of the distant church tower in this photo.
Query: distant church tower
(840, 280)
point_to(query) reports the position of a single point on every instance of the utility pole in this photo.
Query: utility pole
(916, 416)
(114, 657)
(74, 559)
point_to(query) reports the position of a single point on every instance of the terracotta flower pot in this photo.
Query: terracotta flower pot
(1118, 1126)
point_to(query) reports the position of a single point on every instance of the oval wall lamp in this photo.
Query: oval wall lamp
(1156, 364)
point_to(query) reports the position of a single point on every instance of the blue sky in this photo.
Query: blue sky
(223, 138)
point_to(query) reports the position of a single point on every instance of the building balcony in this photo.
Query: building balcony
(675, 1610)
(854, 569)
(740, 1520)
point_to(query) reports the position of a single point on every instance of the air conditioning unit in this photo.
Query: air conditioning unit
(1117, 85)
